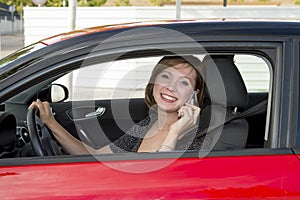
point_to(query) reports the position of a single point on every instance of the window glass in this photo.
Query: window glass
(113, 80)
(255, 72)
(128, 78)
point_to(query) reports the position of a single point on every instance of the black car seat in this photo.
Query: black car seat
(227, 94)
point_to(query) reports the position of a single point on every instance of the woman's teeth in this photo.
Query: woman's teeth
(168, 97)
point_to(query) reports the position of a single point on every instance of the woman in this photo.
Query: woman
(173, 115)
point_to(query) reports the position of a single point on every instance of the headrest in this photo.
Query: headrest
(224, 82)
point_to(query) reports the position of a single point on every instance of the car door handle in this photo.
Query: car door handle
(99, 112)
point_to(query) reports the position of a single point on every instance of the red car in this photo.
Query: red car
(95, 79)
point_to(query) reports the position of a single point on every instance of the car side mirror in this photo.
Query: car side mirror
(53, 93)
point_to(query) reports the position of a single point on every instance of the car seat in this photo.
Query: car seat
(227, 94)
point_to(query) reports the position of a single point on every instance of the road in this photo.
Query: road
(10, 43)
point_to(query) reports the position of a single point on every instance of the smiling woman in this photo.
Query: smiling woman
(171, 84)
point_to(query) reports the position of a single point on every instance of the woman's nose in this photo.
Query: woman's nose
(171, 86)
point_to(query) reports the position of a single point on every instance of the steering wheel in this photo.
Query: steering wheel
(37, 140)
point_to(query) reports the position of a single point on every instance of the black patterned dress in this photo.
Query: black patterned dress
(132, 139)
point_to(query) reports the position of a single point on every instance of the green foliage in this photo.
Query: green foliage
(81, 3)
(123, 3)
(158, 2)
(18, 3)
(96, 2)
(54, 3)
(297, 2)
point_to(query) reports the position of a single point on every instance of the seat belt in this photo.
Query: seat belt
(256, 109)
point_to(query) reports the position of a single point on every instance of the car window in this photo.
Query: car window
(128, 78)
(113, 80)
(20, 53)
(255, 72)
(106, 100)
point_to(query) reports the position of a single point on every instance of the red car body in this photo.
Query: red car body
(238, 177)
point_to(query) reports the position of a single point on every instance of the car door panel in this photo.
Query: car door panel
(97, 131)
(212, 177)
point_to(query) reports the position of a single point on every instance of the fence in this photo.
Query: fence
(41, 22)
(11, 27)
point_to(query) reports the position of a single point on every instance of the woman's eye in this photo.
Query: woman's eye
(165, 76)
(185, 83)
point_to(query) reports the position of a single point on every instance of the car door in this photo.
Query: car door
(238, 166)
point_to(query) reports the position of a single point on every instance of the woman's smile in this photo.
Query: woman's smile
(168, 98)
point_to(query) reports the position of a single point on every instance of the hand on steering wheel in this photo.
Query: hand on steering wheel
(38, 140)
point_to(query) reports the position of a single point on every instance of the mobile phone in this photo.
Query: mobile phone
(193, 99)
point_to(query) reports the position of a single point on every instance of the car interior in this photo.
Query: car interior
(103, 113)
(234, 133)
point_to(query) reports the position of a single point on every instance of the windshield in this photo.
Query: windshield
(18, 54)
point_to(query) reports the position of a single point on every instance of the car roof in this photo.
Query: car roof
(230, 26)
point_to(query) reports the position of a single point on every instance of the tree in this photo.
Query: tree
(123, 3)
(54, 3)
(18, 4)
(158, 2)
(91, 2)
(96, 2)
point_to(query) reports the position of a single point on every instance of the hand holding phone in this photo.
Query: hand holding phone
(188, 115)
(193, 99)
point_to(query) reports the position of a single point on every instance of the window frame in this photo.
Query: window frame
(273, 51)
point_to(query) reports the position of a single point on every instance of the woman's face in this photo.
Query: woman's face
(173, 86)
